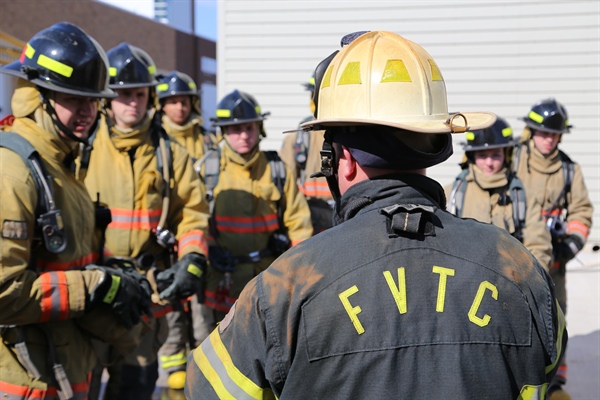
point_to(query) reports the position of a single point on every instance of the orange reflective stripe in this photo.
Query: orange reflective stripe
(134, 219)
(54, 303)
(315, 189)
(11, 391)
(261, 223)
(223, 304)
(576, 226)
(67, 265)
(552, 213)
(193, 238)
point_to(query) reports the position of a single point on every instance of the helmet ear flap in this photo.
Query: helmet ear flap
(319, 74)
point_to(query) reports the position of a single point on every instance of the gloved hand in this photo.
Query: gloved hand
(568, 248)
(125, 291)
(184, 278)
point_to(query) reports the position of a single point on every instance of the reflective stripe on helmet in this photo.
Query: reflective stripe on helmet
(536, 117)
(223, 113)
(55, 66)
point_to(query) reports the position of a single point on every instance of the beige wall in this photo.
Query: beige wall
(501, 56)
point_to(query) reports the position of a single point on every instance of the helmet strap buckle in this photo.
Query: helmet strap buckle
(457, 128)
(31, 73)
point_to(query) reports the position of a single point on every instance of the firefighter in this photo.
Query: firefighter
(53, 295)
(181, 119)
(257, 211)
(557, 183)
(488, 190)
(157, 203)
(300, 151)
(399, 296)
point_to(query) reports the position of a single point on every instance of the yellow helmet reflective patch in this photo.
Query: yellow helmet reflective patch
(257, 109)
(327, 78)
(223, 113)
(436, 75)
(152, 69)
(507, 131)
(395, 71)
(192, 85)
(112, 71)
(536, 117)
(55, 66)
(470, 135)
(163, 87)
(312, 81)
(351, 74)
(29, 51)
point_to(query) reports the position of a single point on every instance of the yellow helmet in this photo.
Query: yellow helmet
(383, 79)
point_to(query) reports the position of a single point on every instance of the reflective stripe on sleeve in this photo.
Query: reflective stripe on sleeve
(54, 303)
(578, 227)
(226, 379)
(192, 238)
(559, 338)
(315, 189)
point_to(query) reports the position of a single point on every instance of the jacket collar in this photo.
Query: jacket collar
(388, 190)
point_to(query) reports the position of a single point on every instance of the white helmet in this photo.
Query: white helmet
(383, 79)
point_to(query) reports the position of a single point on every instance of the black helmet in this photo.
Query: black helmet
(310, 85)
(176, 84)
(496, 136)
(549, 116)
(236, 108)
(63, 58)
(130, 67)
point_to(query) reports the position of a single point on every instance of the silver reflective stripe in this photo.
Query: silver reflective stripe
(230, 385)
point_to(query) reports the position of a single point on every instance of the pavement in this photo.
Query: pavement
(583, 325)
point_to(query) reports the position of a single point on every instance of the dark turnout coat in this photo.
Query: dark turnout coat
(399, 300)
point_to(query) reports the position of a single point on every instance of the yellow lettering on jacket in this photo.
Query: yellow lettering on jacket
(399, 291)
(477, 302)
(352, 311)
(444, 273)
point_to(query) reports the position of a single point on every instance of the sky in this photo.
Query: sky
(206, 13)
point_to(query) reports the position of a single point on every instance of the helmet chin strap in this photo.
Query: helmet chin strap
(58, 123)
(329, 168)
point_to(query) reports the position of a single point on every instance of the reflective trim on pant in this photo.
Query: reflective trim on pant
(173, 363)
(17, 392)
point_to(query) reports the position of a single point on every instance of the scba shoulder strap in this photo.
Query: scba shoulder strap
(212, 168)
(49, 218)
(457, 194)
(517, 198)
(301, 147)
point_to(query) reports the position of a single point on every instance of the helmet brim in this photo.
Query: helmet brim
(14, 69)
(434, 125)
(533, 125)
(469, 148)
(237, 121)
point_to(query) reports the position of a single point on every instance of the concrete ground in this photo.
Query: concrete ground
(583, 325)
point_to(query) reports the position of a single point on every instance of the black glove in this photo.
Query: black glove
(125, 291)
(184, 278)
(568, 247)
